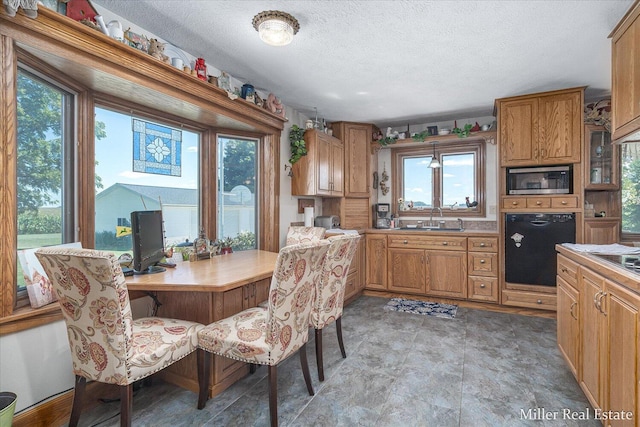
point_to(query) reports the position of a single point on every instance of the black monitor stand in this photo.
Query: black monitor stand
(152, 269)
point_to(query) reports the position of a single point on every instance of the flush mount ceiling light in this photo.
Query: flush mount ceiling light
(434, 164)
(276, 28)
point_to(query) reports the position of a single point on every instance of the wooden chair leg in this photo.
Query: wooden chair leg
(339, 330)
(204, 372)
(305, 368)
(78, 394)
(126, 405)
(273, 395)
(319, 354)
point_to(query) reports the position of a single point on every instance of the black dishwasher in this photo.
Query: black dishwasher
(530, 240)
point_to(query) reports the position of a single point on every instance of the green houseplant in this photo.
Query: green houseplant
(298, 146)
(463, 133)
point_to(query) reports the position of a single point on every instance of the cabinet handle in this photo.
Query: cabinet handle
(445, 243)
(535, 153)
(604, 294)
(422, 259)
(538, 203)
(482, 285)
(564, 270)
(482, 261)
(595, 300)
(573, 304)
(542, 153)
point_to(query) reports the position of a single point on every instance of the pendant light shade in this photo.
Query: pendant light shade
(434, 164)
(275, 28)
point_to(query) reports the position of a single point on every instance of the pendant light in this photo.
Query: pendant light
(434, 164)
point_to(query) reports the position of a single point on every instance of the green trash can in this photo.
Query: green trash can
(7, 406)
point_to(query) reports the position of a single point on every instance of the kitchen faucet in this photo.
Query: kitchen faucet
(431, 217)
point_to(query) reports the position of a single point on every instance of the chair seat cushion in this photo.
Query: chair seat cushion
(158, 342)
(242, 336)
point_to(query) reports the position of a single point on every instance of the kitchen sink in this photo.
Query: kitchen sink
(431, 229)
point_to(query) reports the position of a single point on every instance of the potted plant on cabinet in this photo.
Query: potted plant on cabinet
(298, 146)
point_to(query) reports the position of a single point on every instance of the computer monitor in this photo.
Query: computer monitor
(148, 241)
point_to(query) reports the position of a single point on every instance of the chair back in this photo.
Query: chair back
(298, 268)
(329, 297)
(298, 234)
(92, 293)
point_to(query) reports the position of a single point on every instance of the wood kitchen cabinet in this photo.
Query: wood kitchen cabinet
(355, 277)
(568, 312)
(540, 129)
(625, 73)
(320, 172)
(376, 250)
(446, 273)
(407, 270)
(357, 139)
(482, 282)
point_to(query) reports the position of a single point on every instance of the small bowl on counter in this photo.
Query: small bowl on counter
(444, 131)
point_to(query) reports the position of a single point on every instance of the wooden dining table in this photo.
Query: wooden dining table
(206, 291)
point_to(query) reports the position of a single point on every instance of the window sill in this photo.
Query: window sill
(27, 318)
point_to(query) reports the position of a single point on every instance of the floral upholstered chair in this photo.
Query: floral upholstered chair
(329, 297)
(107, 345)
(268, 336)
(298, 234)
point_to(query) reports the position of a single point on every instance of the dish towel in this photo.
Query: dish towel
(613, 249)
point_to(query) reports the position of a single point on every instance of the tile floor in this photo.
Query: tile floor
(480, 369)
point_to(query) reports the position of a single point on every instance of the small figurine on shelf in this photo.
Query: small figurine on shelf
(469, 203)
(226, 245)
(201, 244)
(156, 49)
(274, 105)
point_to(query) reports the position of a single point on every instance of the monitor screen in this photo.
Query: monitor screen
(148, 241)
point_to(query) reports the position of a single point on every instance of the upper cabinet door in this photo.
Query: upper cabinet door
(519, 132)
(625, 84)
(560, 128)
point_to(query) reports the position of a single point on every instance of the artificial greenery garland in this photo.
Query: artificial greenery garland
(298, 146)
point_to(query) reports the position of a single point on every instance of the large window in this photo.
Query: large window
(453, 186)
(630, 156)
(45, 166)
(237, 201)
(144, 165)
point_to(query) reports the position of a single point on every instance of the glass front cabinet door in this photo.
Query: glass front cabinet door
(601, 160)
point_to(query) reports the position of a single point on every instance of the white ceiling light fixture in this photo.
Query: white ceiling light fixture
(434, 164)
(276, 28)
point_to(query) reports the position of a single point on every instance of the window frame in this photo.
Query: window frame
(628, 237)
(476, 147)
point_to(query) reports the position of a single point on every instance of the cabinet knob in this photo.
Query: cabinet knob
(539, 301)
(514, 203)
(482, 245)
(482, 261)
(564, 270)
(405, 242)
(482, 285)
(538, 203)
(564, 202)
(445, 243)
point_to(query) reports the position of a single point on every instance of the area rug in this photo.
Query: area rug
(447, 311)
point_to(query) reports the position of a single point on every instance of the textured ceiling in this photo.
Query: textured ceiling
(397, 62)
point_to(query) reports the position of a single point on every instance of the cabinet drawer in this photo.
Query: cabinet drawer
(529, 299)
(514, 203)
(538, 202)
(483, 264)
(483, 288)
(483, 244)
(564, 202)
(447, 243)
(568, 270)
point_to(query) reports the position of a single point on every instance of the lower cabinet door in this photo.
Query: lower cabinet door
(406, 270)
(568, 323)
(446, 273)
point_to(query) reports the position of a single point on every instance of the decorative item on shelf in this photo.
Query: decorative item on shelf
(226, 246)
(201, 69)
(138, 41)
(444, 131)
(475, 128)
(213, 80)
(156, 49)
(115, 30)
(258, 100)
(469, 203)
(247, 92)
(274, 105)
(79, 10)
(432, 130)
(420, 137)
(486, 127)
(464, 132)
(296, 141)
(288, 167)
(401, 206)
(275, 28)
(390, 138)
(598, 113)
(224, 81)
(384, 188)
(201, 245)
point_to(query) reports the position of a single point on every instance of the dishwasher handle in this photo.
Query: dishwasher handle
(539, 222)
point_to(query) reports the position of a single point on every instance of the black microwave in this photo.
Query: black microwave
(540, 180)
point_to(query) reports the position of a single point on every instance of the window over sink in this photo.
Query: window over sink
(457, 187)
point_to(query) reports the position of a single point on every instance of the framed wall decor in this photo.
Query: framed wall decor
(432, 130)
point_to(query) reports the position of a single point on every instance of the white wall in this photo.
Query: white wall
(491, 167)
